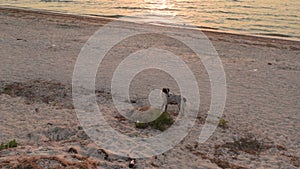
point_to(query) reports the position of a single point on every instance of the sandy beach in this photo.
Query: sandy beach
(38, 52)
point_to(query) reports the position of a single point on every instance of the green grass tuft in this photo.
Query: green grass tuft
(10, 144)
(223, 123)
(141, 125)
(161, 123)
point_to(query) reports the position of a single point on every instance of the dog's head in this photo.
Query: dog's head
(166, 91)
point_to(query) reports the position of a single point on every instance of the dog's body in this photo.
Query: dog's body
(174, 99)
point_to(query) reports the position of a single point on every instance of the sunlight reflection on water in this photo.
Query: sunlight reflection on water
(264, 17)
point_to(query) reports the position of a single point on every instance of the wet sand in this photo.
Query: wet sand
(38, 52)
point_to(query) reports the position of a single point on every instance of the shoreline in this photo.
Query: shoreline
(39, 51)
(99, 19)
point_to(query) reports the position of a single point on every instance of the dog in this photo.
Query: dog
(174, 99)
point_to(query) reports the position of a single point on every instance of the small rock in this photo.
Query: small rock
(72, 150)
(58, 133)
(154, 164)
(132, 101)
(98, 153)
(81, 134)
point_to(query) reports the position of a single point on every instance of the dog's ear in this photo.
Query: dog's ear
(168, 90)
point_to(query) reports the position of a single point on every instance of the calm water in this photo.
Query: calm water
(263, 17)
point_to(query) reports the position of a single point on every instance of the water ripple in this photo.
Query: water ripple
(254, 17)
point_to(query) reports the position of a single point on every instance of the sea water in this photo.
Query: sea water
(279, 18)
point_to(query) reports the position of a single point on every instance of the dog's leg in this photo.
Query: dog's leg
(179, 106)
(165, 107)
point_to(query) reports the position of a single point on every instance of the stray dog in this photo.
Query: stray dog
(174, 99)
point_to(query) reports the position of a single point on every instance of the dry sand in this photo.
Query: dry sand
(38, 52)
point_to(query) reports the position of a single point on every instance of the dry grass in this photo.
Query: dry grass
(51, 162)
